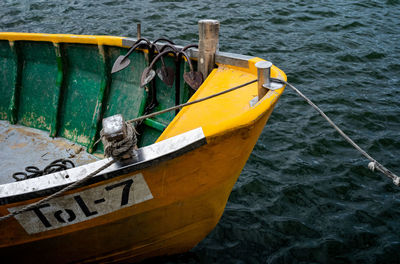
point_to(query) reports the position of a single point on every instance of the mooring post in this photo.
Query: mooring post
(118, 137)
(208, 45)
(263, 75)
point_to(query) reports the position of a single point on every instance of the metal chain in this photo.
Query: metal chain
(373, 163)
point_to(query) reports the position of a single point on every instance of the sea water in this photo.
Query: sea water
(304, 195)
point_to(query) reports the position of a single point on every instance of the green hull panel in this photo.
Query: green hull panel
(8, 66)
(38, 96)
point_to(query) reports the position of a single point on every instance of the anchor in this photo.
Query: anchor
(166, 74)
(192, 78)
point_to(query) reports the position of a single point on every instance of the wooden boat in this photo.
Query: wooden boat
(55, 90)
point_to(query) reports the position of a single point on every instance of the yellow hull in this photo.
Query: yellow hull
(190, 195)
(189, 192)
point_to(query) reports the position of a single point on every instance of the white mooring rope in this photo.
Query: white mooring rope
(373, 163)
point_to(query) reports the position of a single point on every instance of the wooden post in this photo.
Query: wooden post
(208, 45)
(138, 30)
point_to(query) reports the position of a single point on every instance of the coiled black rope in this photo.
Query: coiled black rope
(55, 166)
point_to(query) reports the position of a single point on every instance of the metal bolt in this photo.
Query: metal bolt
(114, 128)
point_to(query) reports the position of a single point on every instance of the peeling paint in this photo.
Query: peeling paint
(22, 146)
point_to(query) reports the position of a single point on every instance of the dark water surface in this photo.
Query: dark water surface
(304, 195)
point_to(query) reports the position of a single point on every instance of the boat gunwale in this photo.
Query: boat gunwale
(146, 157)
(233, 59)
(229, 58)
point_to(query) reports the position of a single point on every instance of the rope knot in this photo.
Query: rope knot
(396, 181)
(372, 166)
(118, 137)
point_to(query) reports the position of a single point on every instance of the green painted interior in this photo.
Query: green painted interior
(67, 89)
(165, 99)
(38, 95)
(124, 95)
(7, 74)
(82, 87)
(59, 85)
